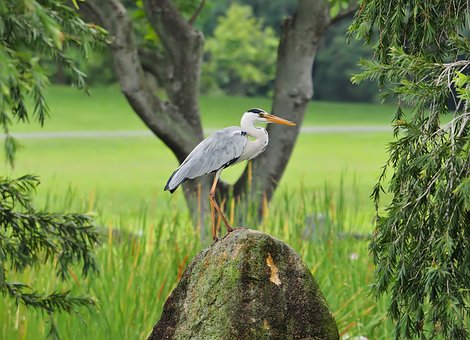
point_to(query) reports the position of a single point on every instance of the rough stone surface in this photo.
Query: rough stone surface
(246, 286)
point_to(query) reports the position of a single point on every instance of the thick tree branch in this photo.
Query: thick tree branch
(169, 24)
(184, 48)
(162, 118)
(153, 62)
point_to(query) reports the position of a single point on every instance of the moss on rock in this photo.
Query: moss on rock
(246, 286)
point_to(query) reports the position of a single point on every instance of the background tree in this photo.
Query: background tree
(31, 33)
(174, 57)
(241, 55)
(421, 241)
(226, 52)
(336, 60)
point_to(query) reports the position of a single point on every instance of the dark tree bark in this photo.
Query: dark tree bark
(300, 38)
(177, 63)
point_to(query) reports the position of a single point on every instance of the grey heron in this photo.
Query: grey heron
(224, 148)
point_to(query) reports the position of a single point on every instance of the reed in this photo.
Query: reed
(143, 257)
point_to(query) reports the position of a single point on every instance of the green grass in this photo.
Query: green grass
(328, 181)
(139, 272)
(127, 172)
(107, 109)
(123, 173)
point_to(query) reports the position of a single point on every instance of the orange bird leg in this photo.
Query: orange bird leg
(214, 228)
(216, 206)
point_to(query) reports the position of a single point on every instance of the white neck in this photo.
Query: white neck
(253, 147)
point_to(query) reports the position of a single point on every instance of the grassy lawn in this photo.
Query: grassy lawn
(107, 109)
(130, 170)
(124, 173)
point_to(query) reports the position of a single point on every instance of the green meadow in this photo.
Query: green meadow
(125, 172)
(320, 208)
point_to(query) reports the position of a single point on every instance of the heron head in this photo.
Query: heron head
(259, 115)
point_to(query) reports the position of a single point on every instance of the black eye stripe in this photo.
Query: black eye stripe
(257, 111)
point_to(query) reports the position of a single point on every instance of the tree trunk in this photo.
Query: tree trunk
(301, 35)
(176, 64)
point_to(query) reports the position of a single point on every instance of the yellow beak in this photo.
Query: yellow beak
(277, 120)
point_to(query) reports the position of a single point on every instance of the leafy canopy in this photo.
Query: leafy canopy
(31, 33)
(241, 56)
(421, 241)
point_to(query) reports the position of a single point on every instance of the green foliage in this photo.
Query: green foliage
(241, 56)
(98, 67)
(32, 32)
(29, 238)
(336, 60)
(272, 13)
(421, 243)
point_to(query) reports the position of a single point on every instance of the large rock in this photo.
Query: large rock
(246, 286)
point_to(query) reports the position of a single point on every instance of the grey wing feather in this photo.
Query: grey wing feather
(219, 150)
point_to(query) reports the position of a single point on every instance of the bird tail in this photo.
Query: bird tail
(175, 180)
